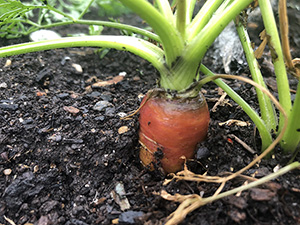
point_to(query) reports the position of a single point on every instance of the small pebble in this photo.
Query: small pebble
(99, 106)
(63, 95)
(129, 216)
(110, 111)
(123, 74)
(9, 106)
(94, 94)
(122, 114)
(7, 172)
(3, 85)
(42, 35)
(202, 152)
(64, 60)
(7, 63)
(77, 67)
(100, 118)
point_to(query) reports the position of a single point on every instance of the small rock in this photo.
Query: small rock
(122, 114)
(202, 152)
(100, 118)
(7, 172)
(42, 35)
(8, 105)
(106, 96)
(63, 95)
(3, 85)
(99, 106)
(7, 63)
(55, 137)
(77, 67)
(119, 195)
(123, 74)
(129, 216)
(94, 94)
(64, 60)
(110, 111)
(44, 76)
(27, 121)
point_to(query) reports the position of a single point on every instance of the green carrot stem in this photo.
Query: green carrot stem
(291, 138)
(195, 50)
(85, 10)
(169, 35)
(277, 58)
(266, 137)
(266, 108)
(190, 6)
(140, 47)
(165, 9)
(119, 26)
(202, 17)
(181, 17)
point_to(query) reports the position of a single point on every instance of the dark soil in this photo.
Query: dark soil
(60, 165)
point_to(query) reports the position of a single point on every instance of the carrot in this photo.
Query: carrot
(171, 127)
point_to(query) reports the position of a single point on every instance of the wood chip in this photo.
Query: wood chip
(41, 93)
(123, 129)
(99, 201)
(235, 122)
(260, 194)
(114, 80)
(71, 109)
(9, 220)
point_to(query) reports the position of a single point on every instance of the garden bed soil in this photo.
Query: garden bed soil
(65, 152)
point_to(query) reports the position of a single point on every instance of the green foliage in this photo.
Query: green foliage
(111, 8)
(19, 18)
